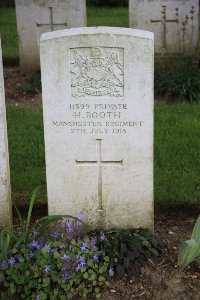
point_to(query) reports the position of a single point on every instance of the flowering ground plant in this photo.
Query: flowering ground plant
(58, 257)
(62, 263)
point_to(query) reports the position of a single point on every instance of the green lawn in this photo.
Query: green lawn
(8, 33)
(177, 158)
(26, 148)
(177, 154)
(107, 16)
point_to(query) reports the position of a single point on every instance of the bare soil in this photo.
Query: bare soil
(159, 279)
(13, 79)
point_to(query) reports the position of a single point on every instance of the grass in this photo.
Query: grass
(26, 150)
(107, 16)
(177, 159)
(8, 33)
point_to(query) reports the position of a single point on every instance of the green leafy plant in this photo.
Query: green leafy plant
(179, 80)
(129, 249)
(190, 249)
(59, 258)
(8, 237)
(58, 261)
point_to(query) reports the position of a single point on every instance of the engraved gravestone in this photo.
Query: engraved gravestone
(5, 195)
(98, 120)
(37, 16)
(174, 23)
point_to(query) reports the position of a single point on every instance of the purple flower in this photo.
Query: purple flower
(69, 226)
(12, 261)
(62, 225)
(102, 236)
(65, 257)
(81, 262)
(77, 256)
(95, 257)
(61, 246)
(78, 267)
(84, 246)
(31, 254)
(34, 232)
(47, 268)
(38, 297)
(65, 276)
(54, 234)
(93, 241)
(111, 271)
(4, 264)
(34, 244)
(48, 248)
(53, 250)
(79, 216)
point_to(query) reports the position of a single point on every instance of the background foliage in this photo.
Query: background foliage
(7, 3)
(178, 78)
(108, 2)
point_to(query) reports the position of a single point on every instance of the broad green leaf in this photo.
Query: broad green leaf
(190, 249)
(33, 197)
(85, 275)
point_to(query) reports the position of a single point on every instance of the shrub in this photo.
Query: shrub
(179, 80)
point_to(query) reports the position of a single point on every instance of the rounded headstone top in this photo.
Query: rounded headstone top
(97, 30)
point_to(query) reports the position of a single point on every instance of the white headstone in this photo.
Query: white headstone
(5, 194)
(174, 23)
(98, 119)
(37, 16)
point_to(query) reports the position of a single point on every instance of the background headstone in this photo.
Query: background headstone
(37, 16)
(5, 193)
(174, 23)
(98, 119)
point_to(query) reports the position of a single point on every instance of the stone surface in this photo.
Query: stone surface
(32, 15)
(5, 195)
(174, 23)
(98, 119)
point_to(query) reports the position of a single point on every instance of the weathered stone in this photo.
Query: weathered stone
(98, 119)
(37, 16)
(5, 194)
(174, 23)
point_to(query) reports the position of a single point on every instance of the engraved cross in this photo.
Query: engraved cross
(164, 22)
(51, 23)
(99, 163)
